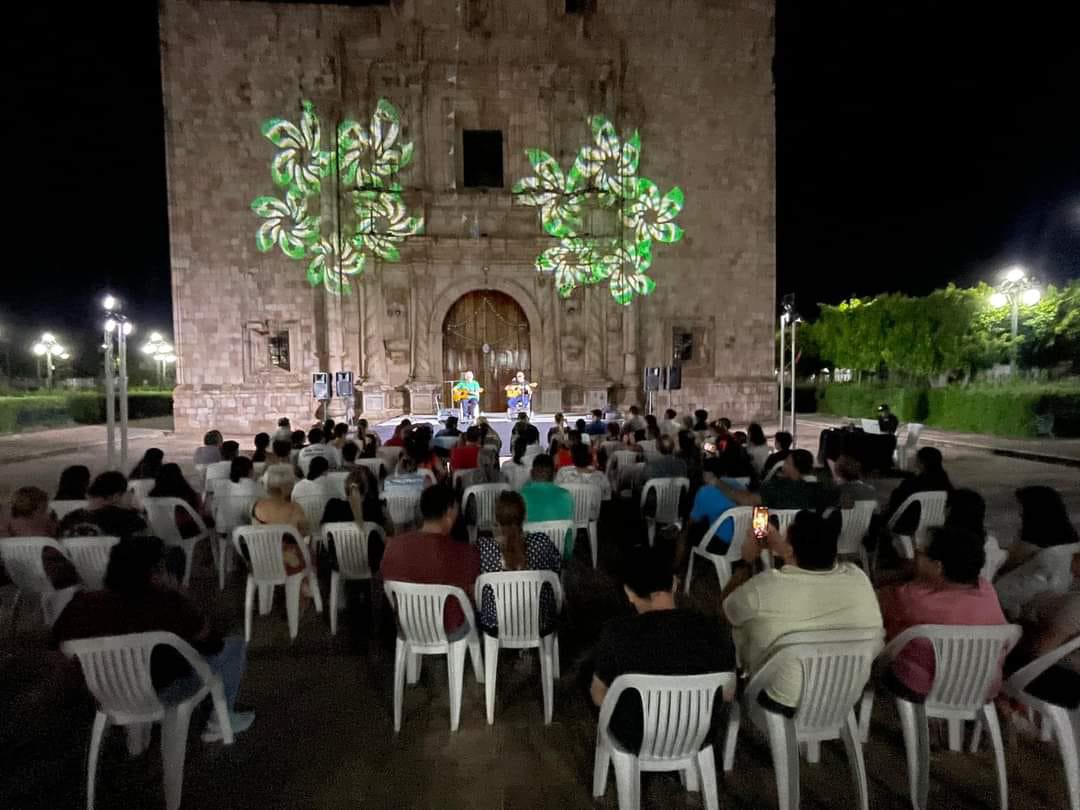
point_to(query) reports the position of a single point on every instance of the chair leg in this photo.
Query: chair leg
(292, 604)
(651, 525)
(188, 561)
(706, 761)
(174, 730)
(555, 668)
(601, 766)
(266, 599)
(547, 681)
(491, 665)
(474, 655)
(221, 548)
(1067, 729)
(850, 735)
(956, 733)
(813, 752)
(101, 722)
(594, 542)
(689, 778)
(865, 710)
(732, 735)
(249, 607)
(335, 586)
(313, 584)
(785, 754)
(413, 666)
(627, 780)
(689, 571)
(401, 654)
(992, 725)
(455, 668)
(138, 738)
(221, 710)
(917, 749)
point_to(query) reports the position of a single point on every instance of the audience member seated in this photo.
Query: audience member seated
(280, 453)
(690, 455)
(137, 599)
(317, 448)
(315, 482)
(965, 510)
(172, 484)
(242, 476)
(581, 471)
(278, 509)
(701, 421)
(518, 469)
(782, 442)
(262, 446)
(560, 430)
(544, 500)
(369, 442)
(149, 465)
(635, 421)
(789, 489)
(210, 452)
(849, 483)
(465, 455)
(220, 469)
(362, 491)
(108, 513)
(451, 430)
(946, 589)
(658, 639)
(341, 436)
(74, 481)
(758, 447)
(560, 454)
(284, 430)
(810, 592)
(349, 453)
(597, 427)
(30, 517)
(930, 476)
(513, 550)
(406, 476)
(523, 427)
(489, 437)
(709, 503)
(1044, 523)
(490, 469)
(666, 464)
(431, 556)
(418, 447)
(671, 425)
(299, 441)
(398, 439)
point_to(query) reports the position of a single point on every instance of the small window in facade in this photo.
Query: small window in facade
(278, 343)
(580, 6)
(483, 156)
(682, 345)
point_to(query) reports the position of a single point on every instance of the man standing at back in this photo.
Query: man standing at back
(545, 500)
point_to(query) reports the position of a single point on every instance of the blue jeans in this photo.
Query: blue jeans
(230, 664)
(468, 408)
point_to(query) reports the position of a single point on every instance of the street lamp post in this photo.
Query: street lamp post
(47, 349)
(162, 352)
(1015, 288)
(118, 326)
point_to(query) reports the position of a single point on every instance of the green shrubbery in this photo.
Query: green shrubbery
(1002, 410)
(22, 412)
(83, 407)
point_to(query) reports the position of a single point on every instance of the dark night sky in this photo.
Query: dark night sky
(917, 142)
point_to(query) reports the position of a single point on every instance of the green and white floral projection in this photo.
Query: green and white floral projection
(364, 165)
(604, 176)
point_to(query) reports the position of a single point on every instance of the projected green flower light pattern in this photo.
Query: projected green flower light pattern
(365, 166)
(604, 176)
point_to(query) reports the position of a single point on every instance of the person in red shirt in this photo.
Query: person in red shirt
(431, 556)
(466, 456)
(398, 439)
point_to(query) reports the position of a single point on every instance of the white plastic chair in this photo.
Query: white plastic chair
(314, 505)
(139, 488)
(266, 558)
(90, 556)
(419, 612)
(161, 515)
(620, 469)
(117, 673)
(517, 475)
(376, 466)
(230, 511)
(463, 479)
(351, 549)
(677, 712)
(517, 608)
(906, 451)
(215, 472)
(587, 501)
(774, 471)
(669, 492)
(335, 484)
(390, 456)
(741, 518)
(967, 663)
(557, 531)
(1066, 722)
(855, 524)
(402, 505)
(995, 558)
(836, 666)
(24, 565)
(483, 498)
(931, 515)
(61, 509)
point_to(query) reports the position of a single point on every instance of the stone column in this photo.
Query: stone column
(422, 383)
(550, 378)
(374, 387)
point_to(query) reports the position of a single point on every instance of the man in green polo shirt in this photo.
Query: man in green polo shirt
(545, 500)
(472, 388)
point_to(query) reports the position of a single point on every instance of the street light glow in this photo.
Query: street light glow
(109, 303)
(129, 327)
(1015, 274)
(110, 325)
(155, 337)
(1031, 296)
(999, 299)
(39, 349)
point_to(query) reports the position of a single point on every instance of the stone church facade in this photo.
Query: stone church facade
(693, 77)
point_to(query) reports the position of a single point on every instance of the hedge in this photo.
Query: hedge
(1001, 410)
(89, 408)
(19, 413)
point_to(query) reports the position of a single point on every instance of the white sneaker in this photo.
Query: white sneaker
(240, 722)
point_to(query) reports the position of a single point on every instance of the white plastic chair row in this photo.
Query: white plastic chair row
(481, 499)
(587, 501)
(931, 515)
(855, 524)
(557, 531)
(161, 515)
(22, 558)
(402, 506)
(90, 556)
(266, 558)
(230, 511)
(740, 518)
(351, 547)
(140, 488)
(668, 492)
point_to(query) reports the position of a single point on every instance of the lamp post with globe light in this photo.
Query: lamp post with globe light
(117, 327)
(48, 348)
(1016, 288)
(161, 351)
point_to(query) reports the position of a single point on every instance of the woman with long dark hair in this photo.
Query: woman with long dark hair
(149, 465)
(172, 484)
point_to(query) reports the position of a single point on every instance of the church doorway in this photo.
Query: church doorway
(486, 331)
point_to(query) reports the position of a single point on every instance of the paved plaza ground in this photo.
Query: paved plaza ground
(324, 735)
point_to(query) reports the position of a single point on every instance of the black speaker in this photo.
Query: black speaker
(674, 378)
(653, 378)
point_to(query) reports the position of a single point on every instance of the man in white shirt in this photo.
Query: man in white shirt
(811, 592)
(583, 472)
(316, 447)
(636, 421)
(221, 469)
(671, 424)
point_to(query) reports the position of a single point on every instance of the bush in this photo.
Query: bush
(89, 408)
(19, 413)
(22, 412)
(862, 401)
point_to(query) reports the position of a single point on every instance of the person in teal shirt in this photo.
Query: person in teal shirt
(470, 385)
(545, 500)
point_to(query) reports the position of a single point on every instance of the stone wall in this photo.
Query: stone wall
(693, 76)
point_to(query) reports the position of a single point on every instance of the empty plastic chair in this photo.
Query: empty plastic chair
(117, 673)
(230, 511)
(740, 518)
(855, 525)
(161, 515)
(478, 506)
(376, 466)
(836, 666)
(90, 556)
(419, 613)
(351, 550)
(335, 484)
(967, 665)
(61, 509)
(668, 493)
(587, 501)
(266, 557)
(559, 532)
(931, 514)
(22, 557)
(677, 712)
(517, 607)
(314, 505)
(402, 505)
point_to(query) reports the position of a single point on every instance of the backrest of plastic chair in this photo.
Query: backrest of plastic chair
(231, 511)
(484, 497)
(668, 494)
(117, 670)
(351, 547)
(313, 505)
(774, 471)
(517, 601)
(677, 710)
(390, 456)
(931, 508)
(161, 515)
(995, 558)
(740, 518)
(90, 556)
(335, 484)
(967, 661)
(622, 459)
(743, 480)
(264, 549)
(784, 517)
(464, 479)
(419, 609)
(23, 563)
(402, 503)
(63, 508)
(216, 471)
(376, 466)
(855, 525)
(218, 487)
(516, 475)
(587, 500)
(1020, 679)
(139, 488)
(556, 530)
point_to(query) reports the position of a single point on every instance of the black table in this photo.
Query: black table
(873, 451)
